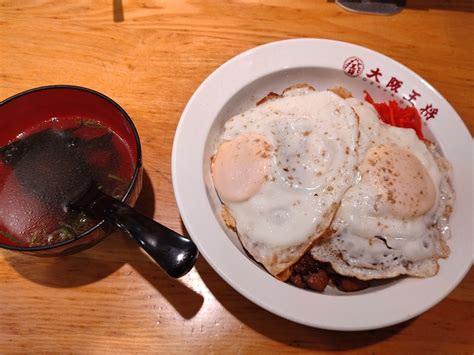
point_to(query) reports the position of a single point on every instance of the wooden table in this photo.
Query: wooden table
(150, 59)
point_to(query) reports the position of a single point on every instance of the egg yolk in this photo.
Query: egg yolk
(240, 166)
(403, 183)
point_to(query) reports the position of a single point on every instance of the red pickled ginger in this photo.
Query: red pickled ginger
(392, 114)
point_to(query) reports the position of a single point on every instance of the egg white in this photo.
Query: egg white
(314, 136)
(374, 243)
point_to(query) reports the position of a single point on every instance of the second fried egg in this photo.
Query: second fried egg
(392, 220)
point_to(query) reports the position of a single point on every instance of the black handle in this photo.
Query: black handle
(174, 253)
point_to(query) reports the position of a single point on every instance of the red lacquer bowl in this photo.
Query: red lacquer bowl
(29, 108)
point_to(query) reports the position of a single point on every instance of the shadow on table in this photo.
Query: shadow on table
(461, 5)
(105, 258)
(425, 5)
(282, 330)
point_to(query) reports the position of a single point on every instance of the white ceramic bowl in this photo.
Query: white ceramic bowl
(236, 86)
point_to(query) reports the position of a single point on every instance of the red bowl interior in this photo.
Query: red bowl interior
(28, 109)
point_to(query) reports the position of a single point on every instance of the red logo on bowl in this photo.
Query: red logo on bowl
(353, 66)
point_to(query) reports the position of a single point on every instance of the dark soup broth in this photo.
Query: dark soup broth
(33, 199)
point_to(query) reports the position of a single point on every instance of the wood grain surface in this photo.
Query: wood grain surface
(150, 56)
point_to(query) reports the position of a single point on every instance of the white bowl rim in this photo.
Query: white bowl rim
(340, 312)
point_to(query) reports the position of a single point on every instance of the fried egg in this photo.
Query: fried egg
(393, 219)
(281, 169)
